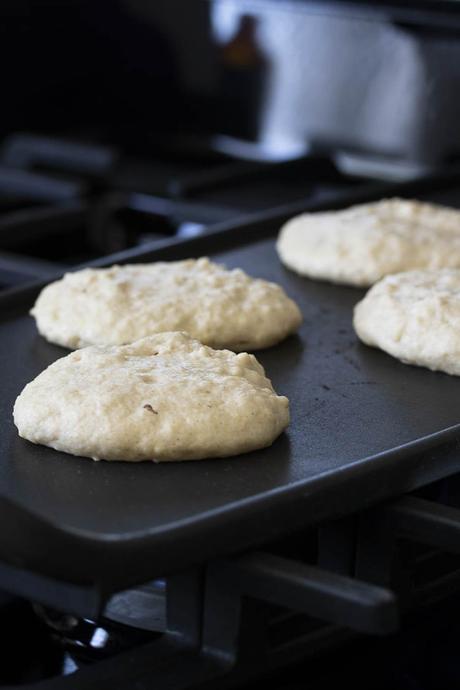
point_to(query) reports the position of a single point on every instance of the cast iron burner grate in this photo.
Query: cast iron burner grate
(63, 202)
(261, 615)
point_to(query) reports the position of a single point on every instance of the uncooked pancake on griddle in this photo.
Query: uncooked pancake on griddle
(165, 397)
(414, 316)
(361, 244)
(121, 304)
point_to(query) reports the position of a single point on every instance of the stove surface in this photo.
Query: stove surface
(65, 201)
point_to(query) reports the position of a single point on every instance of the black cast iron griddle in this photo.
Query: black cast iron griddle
(364, 427)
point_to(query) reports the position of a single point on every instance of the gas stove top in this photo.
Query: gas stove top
(64, 201)
(372, 588)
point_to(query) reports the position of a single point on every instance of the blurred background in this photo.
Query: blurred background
(290, 76)
(125, 122)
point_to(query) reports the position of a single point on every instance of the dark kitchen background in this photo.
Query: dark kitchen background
(289, 76)
(129, 123)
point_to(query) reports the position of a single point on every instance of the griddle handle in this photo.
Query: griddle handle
(432, 524)
(321, 594)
